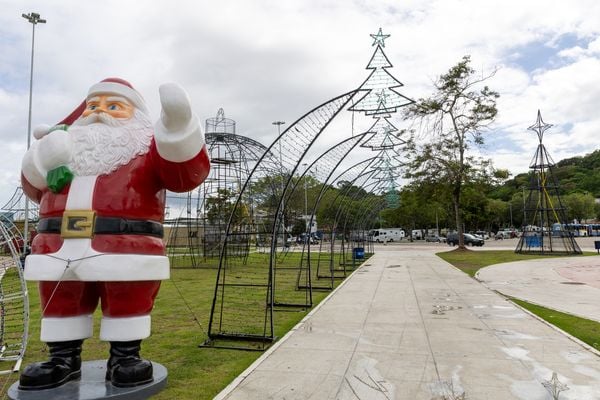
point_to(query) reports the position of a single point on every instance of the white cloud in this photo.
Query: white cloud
(275, 60)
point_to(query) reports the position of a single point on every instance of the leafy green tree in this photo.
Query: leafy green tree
(455, 116)
(497, 210)
(579, 206)
(220, 207)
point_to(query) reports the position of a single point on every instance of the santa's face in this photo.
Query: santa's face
(109, 134)
(115, 106)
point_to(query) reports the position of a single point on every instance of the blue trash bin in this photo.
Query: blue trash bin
(358, 253)
(533, 241)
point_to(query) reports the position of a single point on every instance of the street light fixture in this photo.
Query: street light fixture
(34, 19)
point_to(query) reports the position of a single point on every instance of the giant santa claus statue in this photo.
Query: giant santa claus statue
(100, 178)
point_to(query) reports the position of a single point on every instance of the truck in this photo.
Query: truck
(383, 235)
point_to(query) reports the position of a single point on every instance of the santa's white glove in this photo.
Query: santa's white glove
(178, 135)
(176, 111)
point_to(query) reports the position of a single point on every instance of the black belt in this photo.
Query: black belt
(108, 225)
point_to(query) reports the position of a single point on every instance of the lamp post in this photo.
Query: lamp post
(305, 165)
(279, 123)
(34, 19)
(524, 212)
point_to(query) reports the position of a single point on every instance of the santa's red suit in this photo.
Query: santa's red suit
(122, 265)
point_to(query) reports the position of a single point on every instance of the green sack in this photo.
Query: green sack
(58, 178)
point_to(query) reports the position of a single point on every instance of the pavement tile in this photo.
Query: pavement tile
(409, 326)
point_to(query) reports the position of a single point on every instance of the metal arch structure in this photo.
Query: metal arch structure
(347, 219)
(14, 299)
(197, 231)
(16, 206)
(326, 267)
(14, 210)
(545, 230)
(331, 259)
(357, 223)
(322, 169)
(252, 282)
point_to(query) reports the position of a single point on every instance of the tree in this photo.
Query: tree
(579, 206)
(220, 207)
(454, 117)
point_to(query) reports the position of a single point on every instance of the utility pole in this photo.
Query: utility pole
(34, 19)
(279, 123)
(305, 165)
(524, 212)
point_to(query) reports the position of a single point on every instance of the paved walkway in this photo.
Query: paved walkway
(569, 284)
(407, 325)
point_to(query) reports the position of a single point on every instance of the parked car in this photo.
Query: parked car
(483, 234)
(469, 239)
(506, 234)
(435, 238)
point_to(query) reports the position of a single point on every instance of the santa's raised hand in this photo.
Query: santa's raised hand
(178, 135)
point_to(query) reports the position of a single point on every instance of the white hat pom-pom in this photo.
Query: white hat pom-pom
(40, 131)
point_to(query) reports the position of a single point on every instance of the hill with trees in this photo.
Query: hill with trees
(491, 202)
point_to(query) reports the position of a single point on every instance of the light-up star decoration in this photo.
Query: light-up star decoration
(382, 97)
(554, 386)
(540, 126)
(379, 38)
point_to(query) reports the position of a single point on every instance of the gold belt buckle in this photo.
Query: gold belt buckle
(78, 224)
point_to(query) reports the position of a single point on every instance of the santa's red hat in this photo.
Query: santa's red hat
(116, 86)
(119, 87)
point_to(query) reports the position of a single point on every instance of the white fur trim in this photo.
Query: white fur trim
(32, 170)
(179, 146)
(125, 329)
(81, 193)
(55, 149)
(66, 328)
(119, 89)
(98, 267)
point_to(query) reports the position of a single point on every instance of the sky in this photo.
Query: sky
(268, 60)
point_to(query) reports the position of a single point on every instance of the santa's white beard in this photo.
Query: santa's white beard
(101, 143)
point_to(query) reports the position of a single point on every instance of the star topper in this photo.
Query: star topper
(382, 97)
(379, 38)
(554, 386)
(540, 126)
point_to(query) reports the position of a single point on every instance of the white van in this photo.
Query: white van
(383, 235)
(417, 234)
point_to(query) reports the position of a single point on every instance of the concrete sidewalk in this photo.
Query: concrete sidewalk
(407, 325)
(568, 284)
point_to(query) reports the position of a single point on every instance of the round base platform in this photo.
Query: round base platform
(93, 386)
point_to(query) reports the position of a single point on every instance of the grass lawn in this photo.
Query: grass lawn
(583, 329)
(471, 261)
(179, 324)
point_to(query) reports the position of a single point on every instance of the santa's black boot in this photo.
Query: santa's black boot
(125, 368)
(63, 365)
